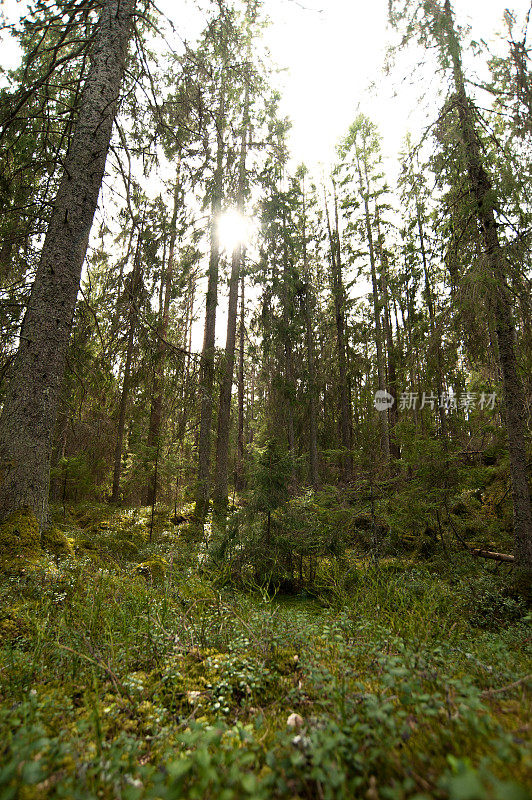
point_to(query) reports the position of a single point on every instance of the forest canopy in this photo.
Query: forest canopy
(265, 456)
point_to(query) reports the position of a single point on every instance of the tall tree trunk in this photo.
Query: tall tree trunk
(154, 429)
(239, 478)
(188, 383)
(338, 293)
(390, 344)
(287, 300)
(311, 359)
(348, 401)
(126, 380)
(30, 408)
(432, 321)
(220, 492)
(206, 381)
(250, 416)
(381, 370)
(513, 396)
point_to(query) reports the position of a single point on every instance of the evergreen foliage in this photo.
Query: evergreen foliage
(293, 562)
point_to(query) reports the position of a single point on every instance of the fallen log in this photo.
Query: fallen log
(490, 554)
(478, 551)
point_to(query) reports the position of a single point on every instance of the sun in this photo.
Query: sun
(233, 229)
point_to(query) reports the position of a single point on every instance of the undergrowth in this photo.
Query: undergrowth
(129, 670)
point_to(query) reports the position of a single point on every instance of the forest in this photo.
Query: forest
(265, 454)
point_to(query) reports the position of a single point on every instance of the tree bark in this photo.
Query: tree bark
(126, 380)
(393, 412)
(287, 301)
(311, 359)
(30, 408)
(432, 321)
(239, 478)
(206, 381)
(338, 293)
(220, 492)
(381, 371)
(154, 430)
(493, 556)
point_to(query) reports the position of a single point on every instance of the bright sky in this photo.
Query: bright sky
(331, 51)
(333, 56)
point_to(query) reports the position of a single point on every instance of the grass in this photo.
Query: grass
(122, 680)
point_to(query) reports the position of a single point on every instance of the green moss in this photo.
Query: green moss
(126, 548)
(56, 542)
(20, 544)
(283, 660)
(13, 625)
(86, 543)
(153, 570)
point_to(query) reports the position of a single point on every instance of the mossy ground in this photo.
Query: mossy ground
(20, 543)
(127, 673)
(23, 548)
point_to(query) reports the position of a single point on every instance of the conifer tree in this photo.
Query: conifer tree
(30, 407)
(437, 26)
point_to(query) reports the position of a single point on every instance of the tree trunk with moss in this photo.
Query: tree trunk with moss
(30, 407)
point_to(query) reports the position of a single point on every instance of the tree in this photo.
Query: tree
(439, 27)
(239, 470)
(362, 145)
(271, 473)
(206, 383)
(309, 303)
(237, 258)
(167, 278)
(339, 300)
(30, 407)
(133, 291)
(414, 197)
(38, 108)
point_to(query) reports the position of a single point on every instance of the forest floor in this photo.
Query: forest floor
(128, 671)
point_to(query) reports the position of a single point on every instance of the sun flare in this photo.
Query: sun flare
(233, 229)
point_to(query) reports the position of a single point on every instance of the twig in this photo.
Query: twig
(514, 685)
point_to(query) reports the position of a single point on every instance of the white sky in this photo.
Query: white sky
(333, 56)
